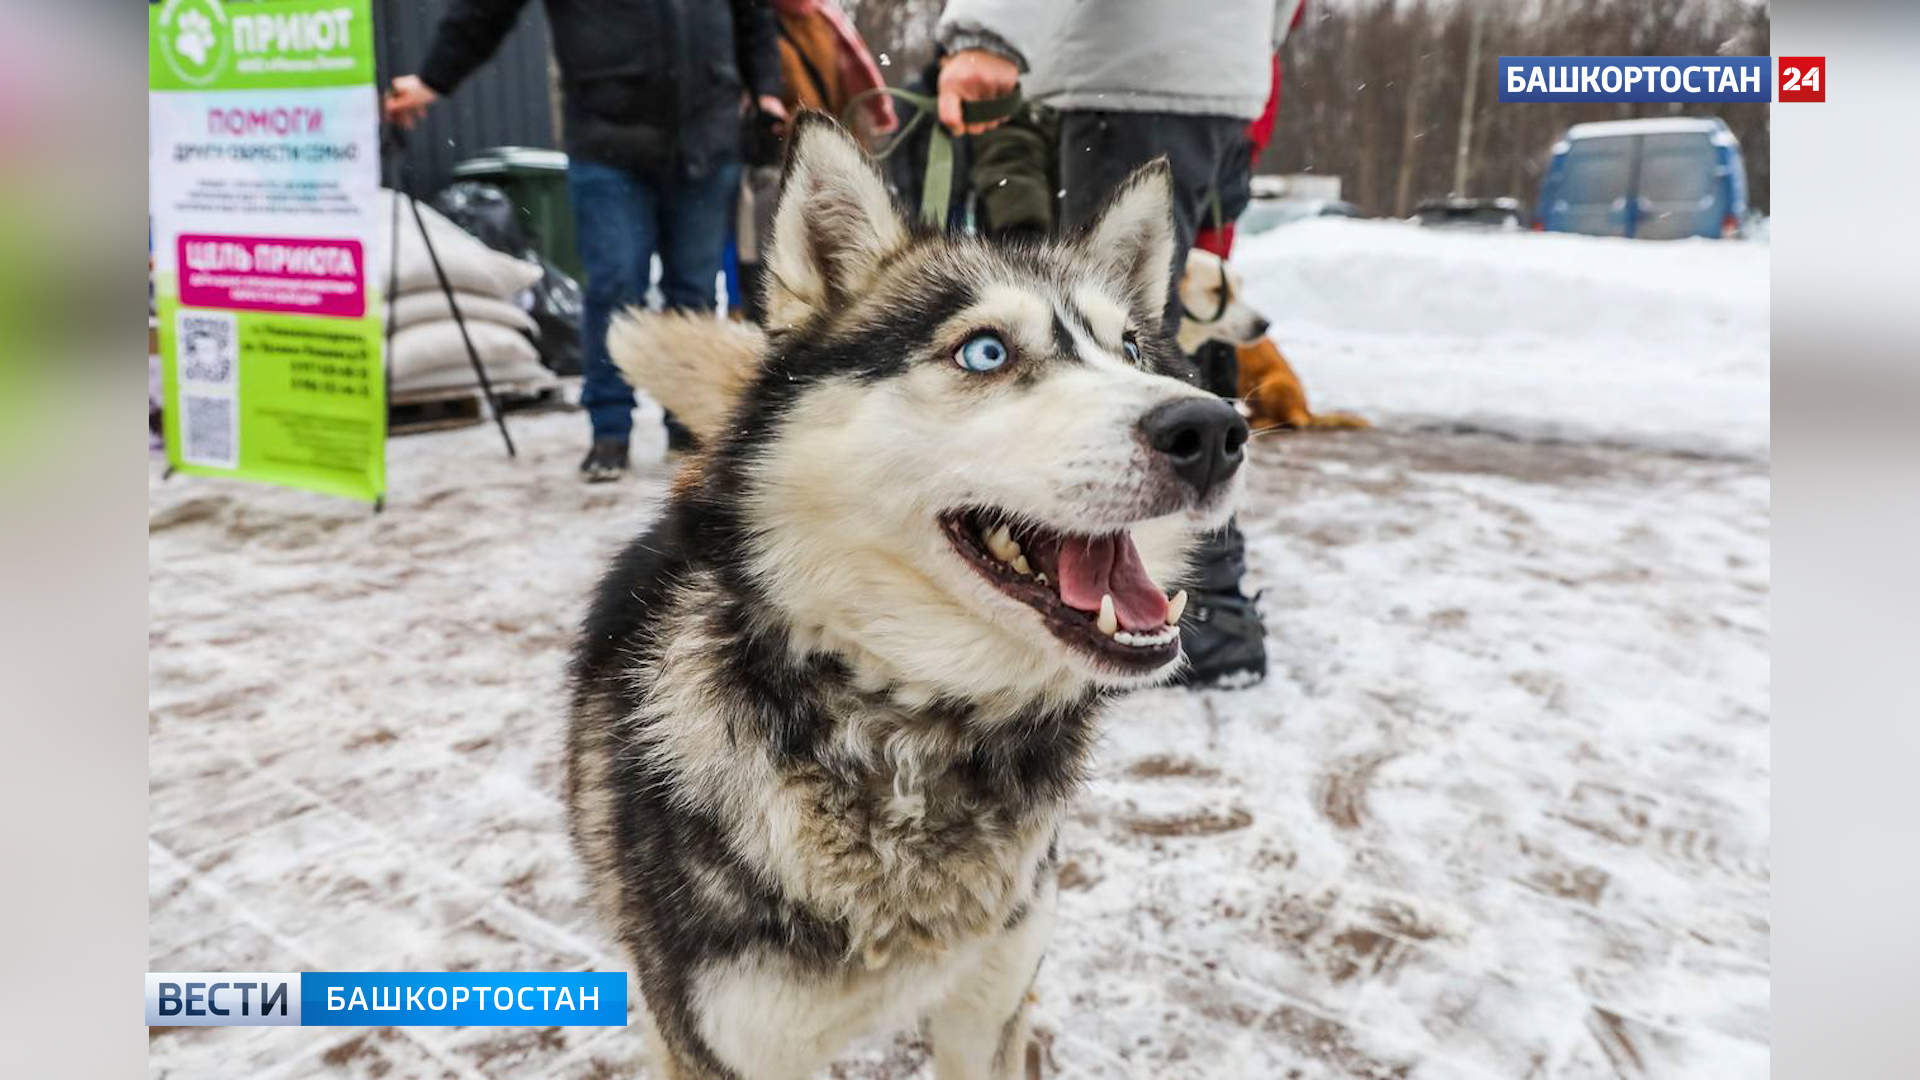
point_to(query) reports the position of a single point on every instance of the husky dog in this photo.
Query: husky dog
(827, 712)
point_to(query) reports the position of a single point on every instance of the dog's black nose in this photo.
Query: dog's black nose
(1204, 439)
(1261, 327)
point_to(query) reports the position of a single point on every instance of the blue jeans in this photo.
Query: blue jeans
(621, 220)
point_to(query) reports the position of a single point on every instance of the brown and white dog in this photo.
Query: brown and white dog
(1215, 309)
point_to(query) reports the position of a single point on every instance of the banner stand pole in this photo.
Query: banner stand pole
(393, 281)
(393, 142)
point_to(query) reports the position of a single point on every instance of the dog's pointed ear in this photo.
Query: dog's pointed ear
(833, 226)
(1131, 239)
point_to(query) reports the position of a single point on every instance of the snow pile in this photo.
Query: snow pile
(1662, 345)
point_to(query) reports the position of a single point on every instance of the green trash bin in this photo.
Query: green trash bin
(536, 181)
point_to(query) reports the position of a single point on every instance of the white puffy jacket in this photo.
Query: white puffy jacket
(1205, 57)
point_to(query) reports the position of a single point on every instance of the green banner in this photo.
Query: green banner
(269, 233)
(260, 45)
(305, 405)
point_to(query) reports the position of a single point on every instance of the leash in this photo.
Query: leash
(936, 190)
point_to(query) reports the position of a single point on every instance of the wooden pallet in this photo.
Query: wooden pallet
(417, 411)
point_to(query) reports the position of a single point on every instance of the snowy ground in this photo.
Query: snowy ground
(1501, 810)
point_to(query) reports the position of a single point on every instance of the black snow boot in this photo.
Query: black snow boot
(607, 460)
(1219, 365)
(1221, 630)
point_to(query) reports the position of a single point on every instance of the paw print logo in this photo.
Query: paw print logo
(193, 38)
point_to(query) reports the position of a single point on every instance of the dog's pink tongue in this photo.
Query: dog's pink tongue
(1094, 566)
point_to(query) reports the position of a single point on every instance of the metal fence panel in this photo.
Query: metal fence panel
(507, 102)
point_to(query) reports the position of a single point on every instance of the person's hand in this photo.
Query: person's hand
(773, 107)
(973, 75)
(407, 102)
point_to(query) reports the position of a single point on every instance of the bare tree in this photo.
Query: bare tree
(1463, 148)
(1415, 83)
(1334, 117)
(900, 32)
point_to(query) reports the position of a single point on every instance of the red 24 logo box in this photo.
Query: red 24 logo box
(1803, 78)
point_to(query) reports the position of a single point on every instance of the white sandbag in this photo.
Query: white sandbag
(428, 305)
(471, 266)
(431, 356)
(514, 378)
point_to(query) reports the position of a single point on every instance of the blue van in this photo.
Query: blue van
(1659, 179)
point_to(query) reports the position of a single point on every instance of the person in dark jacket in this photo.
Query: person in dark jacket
(654, 91)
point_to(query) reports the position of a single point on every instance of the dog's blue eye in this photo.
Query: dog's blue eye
(1132, 345)
(982, 352)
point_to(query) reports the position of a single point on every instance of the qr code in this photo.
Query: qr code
(207, 434)
(209, 350)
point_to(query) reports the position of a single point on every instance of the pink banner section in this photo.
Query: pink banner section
(264, 273)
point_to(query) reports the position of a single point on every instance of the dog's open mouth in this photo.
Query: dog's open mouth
(1092, 591)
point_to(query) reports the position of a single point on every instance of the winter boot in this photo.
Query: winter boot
(1221, 631)
(1219, 365)
(607, 460)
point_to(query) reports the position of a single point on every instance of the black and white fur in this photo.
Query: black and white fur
(817, 762)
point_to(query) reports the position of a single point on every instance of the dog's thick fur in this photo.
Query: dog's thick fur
(817, 762)
(695, 365)
(1216, 310)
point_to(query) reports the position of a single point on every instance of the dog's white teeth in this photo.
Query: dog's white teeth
(1176, 607)
(1000, 542)
(1021, 566)
(1108, 622)
(1042, 577)
(1144, 641)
